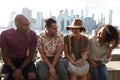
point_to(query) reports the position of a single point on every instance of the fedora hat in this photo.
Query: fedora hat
(76, 23)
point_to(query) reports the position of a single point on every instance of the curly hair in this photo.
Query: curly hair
(111, 33)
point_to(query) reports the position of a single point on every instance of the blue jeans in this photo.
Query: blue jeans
(99, 73)
(43, 70)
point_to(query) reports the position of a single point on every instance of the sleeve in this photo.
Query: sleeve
(61, 41)
(39, 42)
(89, 46)
(85, 42)
(4, 43)
(66, 39)
(34, 41)
(106, 60)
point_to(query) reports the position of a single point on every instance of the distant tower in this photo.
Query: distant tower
(93, 16)
(82, 14)
(72, 16)
(12, 16)
(50, 13)
(86, 11)
(60, 20)
(102, 19)
(66, 18)
(27, 13)
(110, 17)
(39, 21)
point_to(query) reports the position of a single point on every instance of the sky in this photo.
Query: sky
(95, 6)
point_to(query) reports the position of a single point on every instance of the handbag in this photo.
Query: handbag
(79, 71)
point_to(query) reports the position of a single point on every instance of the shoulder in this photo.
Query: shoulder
(41, 35)
(32, 32)
(67, 38)
(93, 41)
(68, 35)
(8, 31)
(85, 37)
(59, 35)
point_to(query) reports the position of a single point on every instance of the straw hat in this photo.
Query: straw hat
(76, 23)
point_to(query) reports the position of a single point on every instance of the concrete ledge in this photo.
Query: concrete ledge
(113, 66)
(113, 70)
(115, 57)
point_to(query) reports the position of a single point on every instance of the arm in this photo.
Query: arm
(44, 57)
(5, 52)
(7, 60)
(32, 50)
(52, 71)
(58, 50)
(66, 53)
(57, 54)
(108, 56)
(90, 56)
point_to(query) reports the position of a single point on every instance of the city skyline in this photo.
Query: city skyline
(94, 6)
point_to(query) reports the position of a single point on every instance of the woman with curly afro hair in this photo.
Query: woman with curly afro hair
(100, 50)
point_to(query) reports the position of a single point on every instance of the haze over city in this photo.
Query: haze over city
(94, 7)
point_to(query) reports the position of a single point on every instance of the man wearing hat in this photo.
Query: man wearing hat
(75, 46)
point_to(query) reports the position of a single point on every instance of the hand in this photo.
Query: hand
(84, 56)
(112, 44)
(93, 64)
(17, 74)
(52, 73)
(79, 64)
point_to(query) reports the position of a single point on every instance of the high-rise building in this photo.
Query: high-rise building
(11, 22)
(27, 13)
(39, 21)
(90, 24)
(110, 17)
(102, 19)
(60, 20)
(72, 16)
(82, 14)
(66, 18)
(86, 11)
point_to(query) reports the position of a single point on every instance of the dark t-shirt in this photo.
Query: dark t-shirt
(76, 45)
(17, 45)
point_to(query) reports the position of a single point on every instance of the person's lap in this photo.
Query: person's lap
(99, 73)
(43, 71)
(28, 69)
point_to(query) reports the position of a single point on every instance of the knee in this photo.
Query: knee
(43, 77)
(31, 76)
(64, 75)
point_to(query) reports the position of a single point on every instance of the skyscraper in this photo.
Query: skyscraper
(110, 16)
(27, 13)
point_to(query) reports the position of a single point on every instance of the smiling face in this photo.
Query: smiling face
(75, 30)
(101, 34)
(53, 29)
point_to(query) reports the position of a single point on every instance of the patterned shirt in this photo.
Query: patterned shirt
(49, 44)
(17, 45)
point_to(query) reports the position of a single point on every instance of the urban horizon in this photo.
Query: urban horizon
(63, 19)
